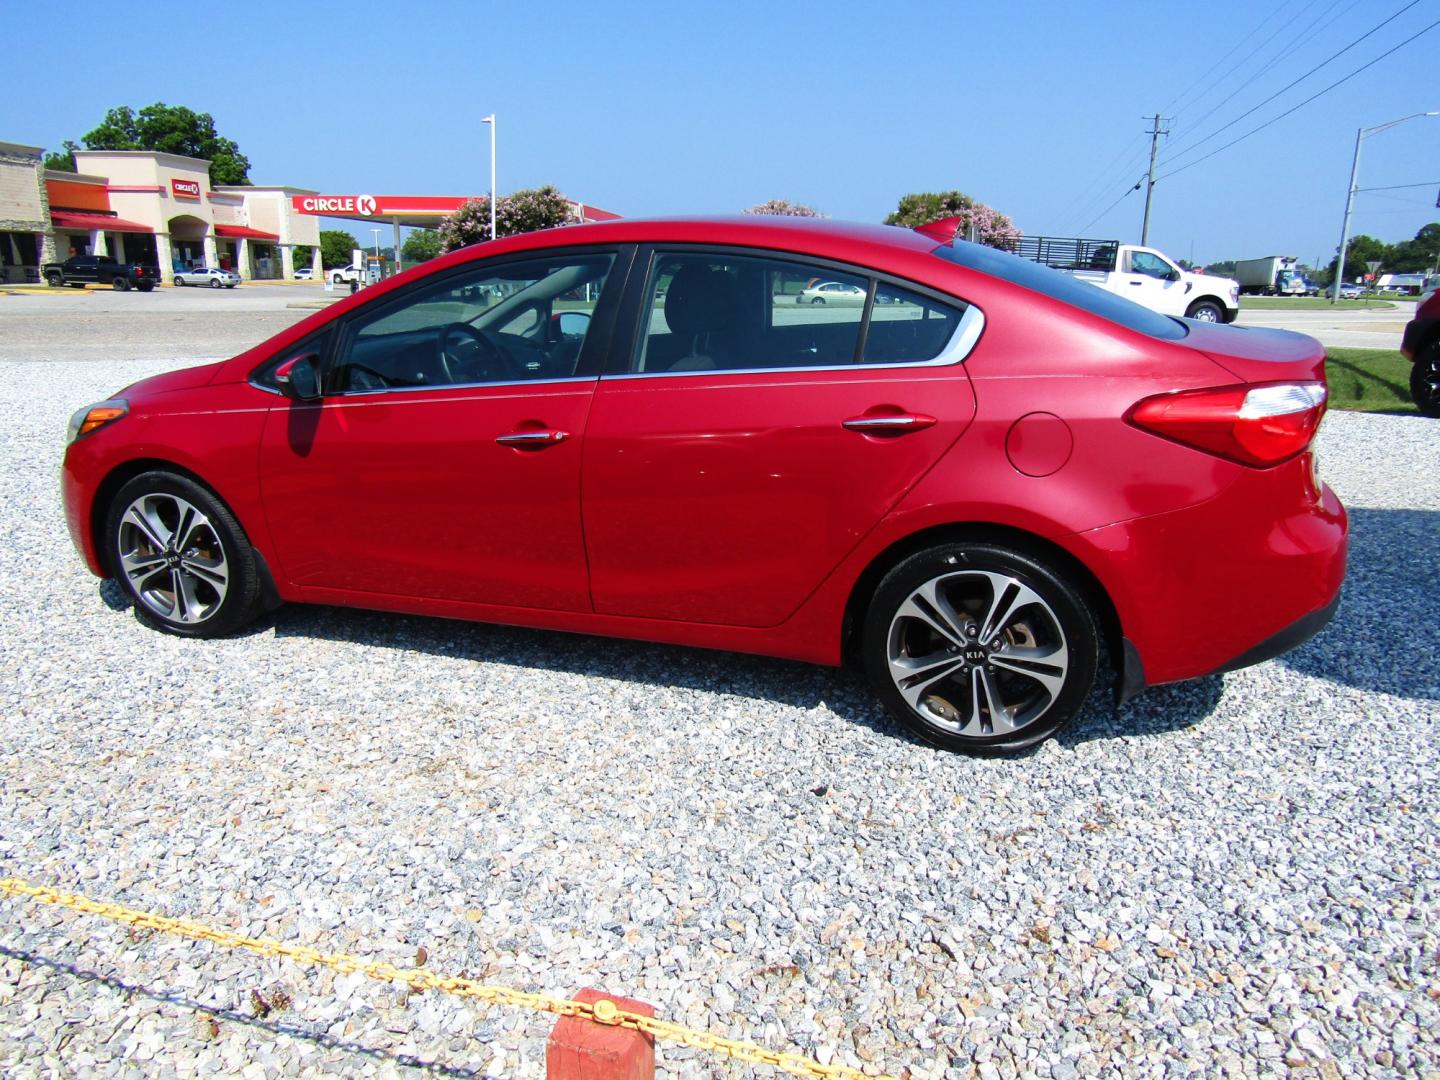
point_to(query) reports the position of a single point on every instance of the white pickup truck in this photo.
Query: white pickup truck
(1137, 273)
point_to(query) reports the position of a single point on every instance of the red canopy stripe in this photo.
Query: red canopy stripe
(71, 219)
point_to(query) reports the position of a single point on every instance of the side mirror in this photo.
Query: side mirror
(299, 377)
(574, 323)
(1173, 275)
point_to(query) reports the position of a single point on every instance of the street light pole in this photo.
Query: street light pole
(1350, 197)
(491, 121)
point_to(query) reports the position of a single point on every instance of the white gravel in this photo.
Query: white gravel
(1238, 874)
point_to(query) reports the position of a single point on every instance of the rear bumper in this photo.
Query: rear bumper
(1232, 581)
(1132, 672)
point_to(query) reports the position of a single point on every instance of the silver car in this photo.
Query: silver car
(208, 275)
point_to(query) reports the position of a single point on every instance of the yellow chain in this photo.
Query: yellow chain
(601, 1012)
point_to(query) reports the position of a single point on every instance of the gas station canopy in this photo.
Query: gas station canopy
(420, 211)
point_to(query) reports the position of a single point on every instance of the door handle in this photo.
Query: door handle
(891, 424)
(532, 438)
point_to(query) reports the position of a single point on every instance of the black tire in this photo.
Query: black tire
(1059, 625)
(1205, 311)
(55, 281)
(817, 300)
(146, 287)
(120, 284)
(166, 576)
(1425, 381)
(214, 283)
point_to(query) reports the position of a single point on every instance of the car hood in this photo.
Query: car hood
(170, 381)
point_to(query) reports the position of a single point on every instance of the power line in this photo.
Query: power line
(1085, 206)
(1174, 102)
(1138, 185)
(1182, 152)
(1285, 52)
(1398, 187)
(1243, 61)
(1312, 97)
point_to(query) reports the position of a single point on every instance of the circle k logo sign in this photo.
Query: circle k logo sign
(365, 204)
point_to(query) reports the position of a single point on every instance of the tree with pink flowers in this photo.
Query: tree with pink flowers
(920, 208)
(785, 208)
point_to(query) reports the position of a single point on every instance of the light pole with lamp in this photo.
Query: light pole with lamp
(491, 121)
(375, 237)
(1350, 196)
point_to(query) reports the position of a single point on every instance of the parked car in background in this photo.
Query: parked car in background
(212, 276)
(1351, 291)
(974, 489)
(1421, 346)
(81, 270)
(342, 274)
(1145, 275)
(305, 273)
(831, 292)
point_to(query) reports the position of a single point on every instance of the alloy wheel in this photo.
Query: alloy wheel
(172, 556)
(977, 653)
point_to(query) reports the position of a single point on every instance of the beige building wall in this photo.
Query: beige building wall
(21, 186)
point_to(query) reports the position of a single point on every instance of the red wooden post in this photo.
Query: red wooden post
(581, 1049)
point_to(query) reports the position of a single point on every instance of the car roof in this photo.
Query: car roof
(821, 237)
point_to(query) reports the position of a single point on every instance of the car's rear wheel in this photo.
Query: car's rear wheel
(980, 648)
(181, 556)
(214, 283)
(120, 284)
(1425, 381)
(1205, 311)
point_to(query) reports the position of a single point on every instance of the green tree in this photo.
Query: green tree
(62, 161)
(420, 245)
(1417, 255)
(169, 129)
(302, 255)
(1360, 250)
(921, 208)
(520, 212)
(336, 247)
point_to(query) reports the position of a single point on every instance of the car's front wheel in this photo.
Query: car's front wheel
(980, 648)
(1205, 311)
(181, 556)
(1425, 381)
(214, 284)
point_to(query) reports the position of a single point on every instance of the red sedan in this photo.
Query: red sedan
(968, 481)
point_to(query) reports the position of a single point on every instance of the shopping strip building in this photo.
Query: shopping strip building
(142, 206)
(160, 209)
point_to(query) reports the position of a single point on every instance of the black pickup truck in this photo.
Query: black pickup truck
(81, 270)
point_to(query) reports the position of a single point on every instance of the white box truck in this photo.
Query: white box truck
(1274, 275)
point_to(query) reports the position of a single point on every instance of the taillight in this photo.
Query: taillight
(1259, 424)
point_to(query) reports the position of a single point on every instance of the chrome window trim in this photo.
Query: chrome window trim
(461, 386)
(956, 350)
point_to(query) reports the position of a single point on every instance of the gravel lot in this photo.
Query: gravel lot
(1239, 874)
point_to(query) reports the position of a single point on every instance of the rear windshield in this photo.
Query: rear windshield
(1063, 287)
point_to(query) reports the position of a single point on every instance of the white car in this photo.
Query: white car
(305, 274)
(341, 274)
(208, 275)
(831, 292)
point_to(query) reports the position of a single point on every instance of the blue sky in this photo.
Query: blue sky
(1034, 108)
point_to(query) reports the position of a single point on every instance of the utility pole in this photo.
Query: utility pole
(1155, 133)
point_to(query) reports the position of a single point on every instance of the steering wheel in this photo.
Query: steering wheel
(467, 355)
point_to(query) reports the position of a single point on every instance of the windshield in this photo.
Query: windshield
(1063, 287)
